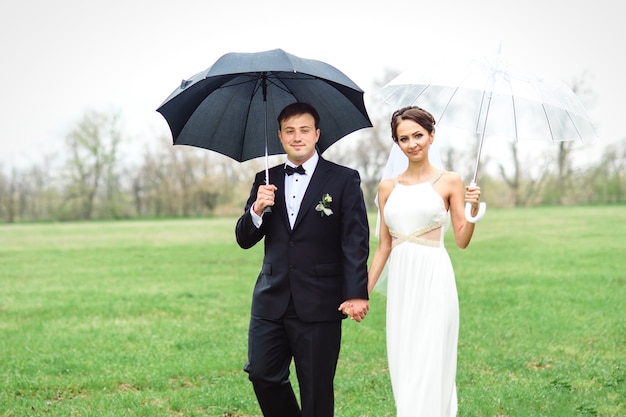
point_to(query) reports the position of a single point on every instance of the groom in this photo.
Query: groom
(316, 251)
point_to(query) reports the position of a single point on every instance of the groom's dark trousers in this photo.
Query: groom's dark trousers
(272, 343)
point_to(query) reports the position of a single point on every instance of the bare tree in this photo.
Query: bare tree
(153, 191)
(526, 178)
(513, 180)
(564, 168)
(605, 183)
(557, 182)
(92, 147)
(45, 194)
(4, 185)
(186, 181)
(8, 192)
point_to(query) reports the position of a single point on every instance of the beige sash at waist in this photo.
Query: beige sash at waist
(428, 236)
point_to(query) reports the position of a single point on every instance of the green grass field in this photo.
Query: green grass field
(149, 318)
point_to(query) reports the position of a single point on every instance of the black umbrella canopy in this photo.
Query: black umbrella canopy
(231, 107)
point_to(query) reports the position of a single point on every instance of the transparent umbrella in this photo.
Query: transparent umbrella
(490, 97)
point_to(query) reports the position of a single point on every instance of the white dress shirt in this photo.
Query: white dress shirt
(295, 187)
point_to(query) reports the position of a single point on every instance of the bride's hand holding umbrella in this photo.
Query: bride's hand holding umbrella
(474, 208)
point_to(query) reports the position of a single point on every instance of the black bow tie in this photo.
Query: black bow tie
(289, 170)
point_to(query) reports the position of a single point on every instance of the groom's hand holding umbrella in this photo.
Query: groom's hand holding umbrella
(264, 198)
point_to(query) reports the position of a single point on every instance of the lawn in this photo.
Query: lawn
(149, 318)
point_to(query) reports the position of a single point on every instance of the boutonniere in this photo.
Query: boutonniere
(324, 205)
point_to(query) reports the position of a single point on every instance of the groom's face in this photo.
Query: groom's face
(298, 136)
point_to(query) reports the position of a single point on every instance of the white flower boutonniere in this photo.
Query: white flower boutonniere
(324, 205)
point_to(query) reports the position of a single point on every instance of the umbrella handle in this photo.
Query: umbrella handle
(482, 208)
(481, 212)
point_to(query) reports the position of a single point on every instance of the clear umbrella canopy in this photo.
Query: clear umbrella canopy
(490, 97)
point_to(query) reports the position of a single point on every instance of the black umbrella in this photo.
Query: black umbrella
(231, 107)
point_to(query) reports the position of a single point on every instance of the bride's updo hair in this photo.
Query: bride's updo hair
(414, 113)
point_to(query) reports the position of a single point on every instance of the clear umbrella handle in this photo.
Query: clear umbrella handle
(482, 208)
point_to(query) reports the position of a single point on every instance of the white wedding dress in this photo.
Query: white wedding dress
(422, 304)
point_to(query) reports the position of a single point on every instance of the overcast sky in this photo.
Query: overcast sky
(61, 58)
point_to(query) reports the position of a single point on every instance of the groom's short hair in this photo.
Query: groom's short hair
(298, 108)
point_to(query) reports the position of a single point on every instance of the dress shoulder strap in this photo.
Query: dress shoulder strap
(437, 176)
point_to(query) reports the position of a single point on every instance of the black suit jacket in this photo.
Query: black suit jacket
(323, 260)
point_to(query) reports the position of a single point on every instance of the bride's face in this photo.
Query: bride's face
(413, 139)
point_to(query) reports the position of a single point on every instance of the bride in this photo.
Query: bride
(422, 303)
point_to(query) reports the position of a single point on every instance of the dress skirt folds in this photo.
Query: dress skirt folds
(422, 304)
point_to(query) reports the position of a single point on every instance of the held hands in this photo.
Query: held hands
(264, 198)
(355, 308)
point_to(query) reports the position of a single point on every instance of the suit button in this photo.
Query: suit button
(291, 267)
(291, 244)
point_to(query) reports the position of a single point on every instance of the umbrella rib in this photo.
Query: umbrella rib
(281, 86)
(271, 80)
(545, 113)
(254, 77)
(569, 116)
(236, 83)
(445, 108)
(257, 85)
(284, 87)
(480, 112)
(514, 117)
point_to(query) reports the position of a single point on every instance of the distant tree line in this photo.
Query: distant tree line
(98, 179)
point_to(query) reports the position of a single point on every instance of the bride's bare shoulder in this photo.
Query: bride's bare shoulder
(387, 184)
(385, 187)
(451, 177)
